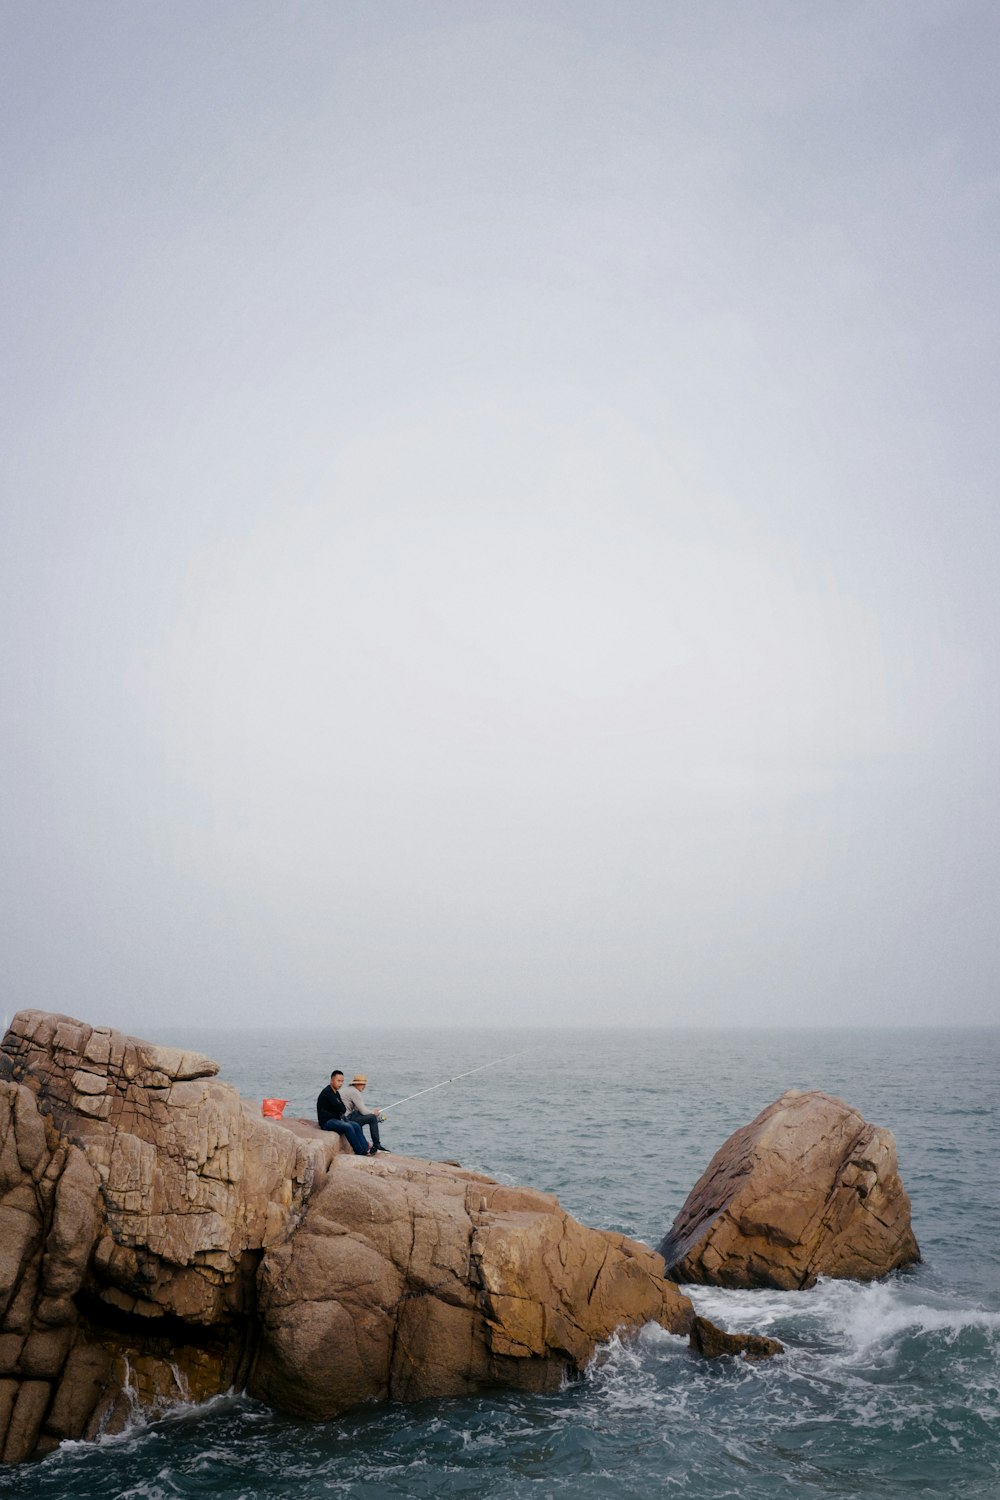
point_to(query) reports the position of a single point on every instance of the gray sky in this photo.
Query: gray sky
(500, 511)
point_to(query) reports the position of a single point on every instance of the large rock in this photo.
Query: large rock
(137, 1196)
(159, 1242)
(413, 1279)
(807, 1189)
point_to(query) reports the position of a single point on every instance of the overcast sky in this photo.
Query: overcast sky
(500, 511)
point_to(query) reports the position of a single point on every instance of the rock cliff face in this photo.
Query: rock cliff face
(159, 1241)
(807, 1189)
(137, 1196)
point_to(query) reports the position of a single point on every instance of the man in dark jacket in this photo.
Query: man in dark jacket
(330, 1112)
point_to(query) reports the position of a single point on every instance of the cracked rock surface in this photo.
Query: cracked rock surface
(160, 1242)
(807, 1189)
(137, 1197)
(414, 1279)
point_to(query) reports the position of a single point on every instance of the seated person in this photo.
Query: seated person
(360, 1111)
(330, 1112)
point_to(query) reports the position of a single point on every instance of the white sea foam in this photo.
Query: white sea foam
(860, 1317)
(878, 1315)
(150, 1425)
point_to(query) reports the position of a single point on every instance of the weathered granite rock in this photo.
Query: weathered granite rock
(137, 1196)
(807, 1189)
(159, 1242)
(431, 1281)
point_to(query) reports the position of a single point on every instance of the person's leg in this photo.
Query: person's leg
(371, 1121)
(354, 1134)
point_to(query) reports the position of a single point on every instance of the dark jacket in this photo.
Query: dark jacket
(330, 1106)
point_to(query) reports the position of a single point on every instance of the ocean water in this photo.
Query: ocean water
(885, 1390)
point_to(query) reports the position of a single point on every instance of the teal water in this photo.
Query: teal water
(886, 1390)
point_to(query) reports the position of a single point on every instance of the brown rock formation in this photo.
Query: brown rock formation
(807, 1189)
(431, 1281)
(160, 1241)
(137, 1196)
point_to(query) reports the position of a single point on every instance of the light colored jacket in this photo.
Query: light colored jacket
(355, 1100)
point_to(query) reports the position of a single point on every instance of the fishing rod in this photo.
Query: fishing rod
(482, 1067)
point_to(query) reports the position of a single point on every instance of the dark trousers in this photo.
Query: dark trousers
(354, 1134)
(359, 1118)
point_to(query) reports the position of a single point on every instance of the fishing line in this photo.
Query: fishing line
(482, 1067)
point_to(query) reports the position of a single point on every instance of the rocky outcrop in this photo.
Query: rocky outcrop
(160, 1241)
(137, 1195)
(412, 1279)
(807, 1189)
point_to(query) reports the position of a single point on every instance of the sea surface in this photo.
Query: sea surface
(885, 1390)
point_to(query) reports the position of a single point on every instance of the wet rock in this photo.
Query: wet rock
(711, 1342)
(807, 1189)
(26, 1420)
(85, 1377)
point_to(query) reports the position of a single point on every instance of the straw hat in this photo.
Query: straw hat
(358, 1078)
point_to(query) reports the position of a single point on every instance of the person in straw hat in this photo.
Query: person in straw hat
(360, 1112)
